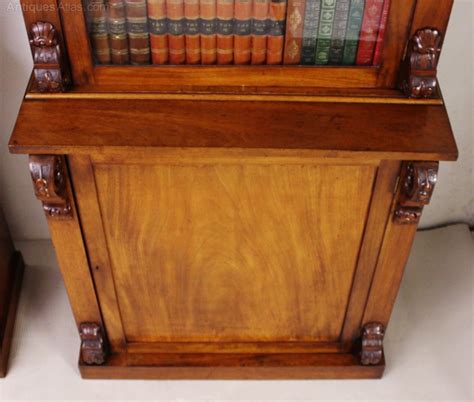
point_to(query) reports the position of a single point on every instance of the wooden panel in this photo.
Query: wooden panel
(233, 252)
(431, 14)
(333, 129)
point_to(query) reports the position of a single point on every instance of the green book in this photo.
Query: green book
(356, 14)
(326, 22)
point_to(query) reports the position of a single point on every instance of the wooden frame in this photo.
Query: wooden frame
(240, 79)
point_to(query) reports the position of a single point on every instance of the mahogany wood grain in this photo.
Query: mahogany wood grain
(250, 366)
(381, 131)
(203, 252)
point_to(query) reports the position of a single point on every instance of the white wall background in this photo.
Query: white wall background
(453, 200)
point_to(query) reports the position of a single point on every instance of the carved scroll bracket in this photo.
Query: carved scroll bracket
(418, 181)
(50, 67)
(372, 344)
(93, 347)
(419, 68)
(48, 175)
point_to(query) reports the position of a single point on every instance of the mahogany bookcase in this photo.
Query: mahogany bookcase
(233, 221)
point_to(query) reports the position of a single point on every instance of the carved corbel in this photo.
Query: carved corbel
(419, 68)
(50, 72)
(418, 181)
(93, 347)
(372, 344)
(48, 175)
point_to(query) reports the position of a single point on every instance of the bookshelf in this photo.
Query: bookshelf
(218, 217)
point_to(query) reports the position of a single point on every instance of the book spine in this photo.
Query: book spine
(380, 38)
(192, 34)
(260, 31)
(294, 32)
(369, 32)
(117, 28)
(339, 32)
(208, 14)
(176, 39)
(310, 31)
(137, 29)
(276, 32)
(158, 27)
(354, 24)
(97, 16)
(326, 23)
(242, 31)
(225, 31)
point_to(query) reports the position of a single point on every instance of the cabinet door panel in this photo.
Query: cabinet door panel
(230, 252)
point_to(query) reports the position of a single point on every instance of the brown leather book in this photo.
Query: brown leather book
(158, 26)
(225, 31)
(294, 31)
(137, 28)
(260, 31)
(97, 17)
(176, 39)
(207, 10)
(242, 31)
(276, 32)
(117, 26)
(192, 34)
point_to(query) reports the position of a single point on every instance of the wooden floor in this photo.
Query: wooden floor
(431, 330)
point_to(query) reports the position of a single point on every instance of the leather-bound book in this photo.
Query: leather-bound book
(225, 31)
(356, 13)
(276, 33)
(192, 34)
(117, 27)
(137, 28)
(310, 31)
(242, 31)
(326, 23)
(336, 52)
(207, 10)
(260, 25)
(158, 27)
(369, 32)
(176, 39)
(294, 31)
(383, 26)
(97, 18)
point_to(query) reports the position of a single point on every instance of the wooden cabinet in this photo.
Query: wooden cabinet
(11, 273)
(233, 221)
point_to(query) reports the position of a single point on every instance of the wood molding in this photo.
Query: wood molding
(93, 348)
(419, 68)
(372, 344)
(418, 181)
(48, 175)
(50, 73)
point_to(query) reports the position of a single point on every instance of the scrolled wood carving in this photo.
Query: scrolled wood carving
(419, 68)
(50, 71)
(48, 175)
(418, 182)
(93, 349)
(372, 344)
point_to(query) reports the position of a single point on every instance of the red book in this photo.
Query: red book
(259, 31)
(242, 31)
(191, 28)
(294, 31)
(383, 26)
(158, 31)
(225, 31)
(207, 9)
(276, 35)
(369, 32)
(176, 40)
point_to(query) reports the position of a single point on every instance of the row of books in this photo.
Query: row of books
(307, 32)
